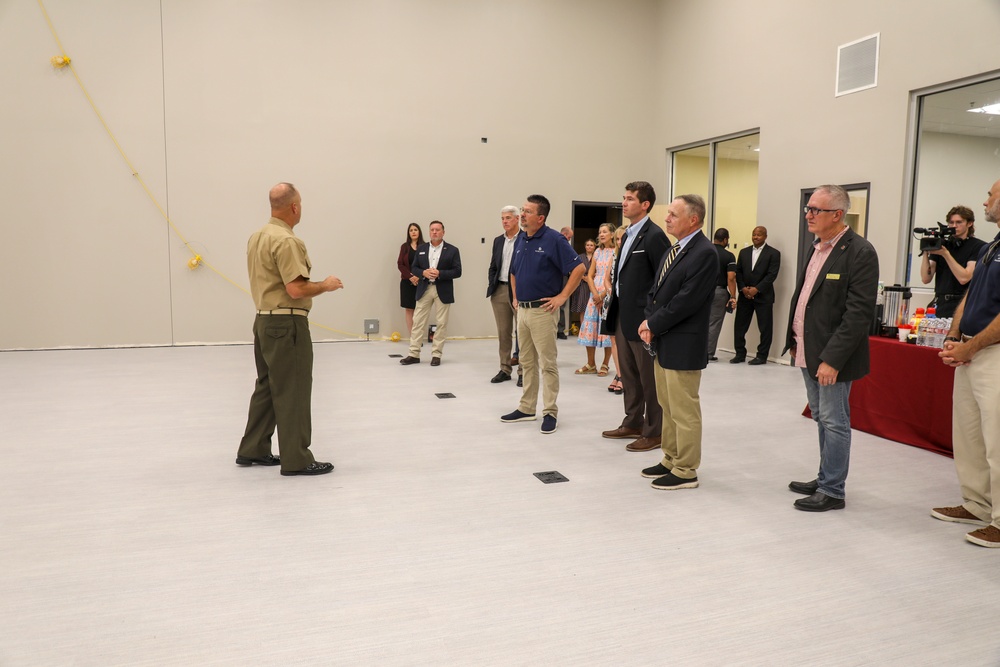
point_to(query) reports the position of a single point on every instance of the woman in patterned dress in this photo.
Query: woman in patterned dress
(581, 297)
(590, 328)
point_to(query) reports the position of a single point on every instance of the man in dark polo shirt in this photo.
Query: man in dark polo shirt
(971, 347)
(279, 283)
(951, 266)
(542, 258)
(724, 299)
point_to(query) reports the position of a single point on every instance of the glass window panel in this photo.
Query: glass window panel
(691, 171)
(736, 174)
(957, 159)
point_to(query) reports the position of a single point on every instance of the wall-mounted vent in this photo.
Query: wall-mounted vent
(857, 65)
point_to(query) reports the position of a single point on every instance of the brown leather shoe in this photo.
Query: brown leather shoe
(643, 445)
(622, 432)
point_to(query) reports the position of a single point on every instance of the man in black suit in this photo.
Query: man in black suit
(437, 264)
(631, 277)
(756, 269)
(498, 288)
(676, 329)
(828, 323)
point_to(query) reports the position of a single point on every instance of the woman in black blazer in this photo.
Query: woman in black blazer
(408, 281)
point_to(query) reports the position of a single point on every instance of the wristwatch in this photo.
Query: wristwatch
(953, 339)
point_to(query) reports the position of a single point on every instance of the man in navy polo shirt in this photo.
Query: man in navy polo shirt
(542, 258)
(971, 347)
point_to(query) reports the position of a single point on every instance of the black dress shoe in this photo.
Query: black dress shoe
(520, 381)
(819, 502)
(562, 336)
(805, 488)
(406, 361)
(737, 360)
(502, 376)
(757, 361)
(268, 460)
(314, 468)
(435, 361)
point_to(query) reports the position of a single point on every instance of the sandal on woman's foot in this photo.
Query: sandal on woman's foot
(614, 384)
(587, 369)
(603, 372)
(620, 389)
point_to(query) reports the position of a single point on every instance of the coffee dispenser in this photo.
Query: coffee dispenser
(895, 309)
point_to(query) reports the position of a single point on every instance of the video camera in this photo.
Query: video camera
(934, 239)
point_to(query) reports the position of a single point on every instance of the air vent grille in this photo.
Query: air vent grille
(857, 65)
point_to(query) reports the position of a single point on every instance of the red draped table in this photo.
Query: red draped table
(906, 397)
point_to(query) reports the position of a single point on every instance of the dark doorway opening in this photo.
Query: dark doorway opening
(588, 216)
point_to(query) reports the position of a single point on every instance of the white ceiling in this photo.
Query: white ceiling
(948, 112)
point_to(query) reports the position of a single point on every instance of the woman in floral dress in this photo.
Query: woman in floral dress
(590, 328)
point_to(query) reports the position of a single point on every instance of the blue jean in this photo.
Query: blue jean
(831, 410)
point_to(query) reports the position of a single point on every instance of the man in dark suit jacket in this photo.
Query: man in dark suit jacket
(631, 277)
(437, 264)
(828, 323)
(676, 327)
(756, 269)
(498, 288)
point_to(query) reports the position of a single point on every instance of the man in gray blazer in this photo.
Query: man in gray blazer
(828, 323)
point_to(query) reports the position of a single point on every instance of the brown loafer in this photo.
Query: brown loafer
(643, 445)
(622, 432)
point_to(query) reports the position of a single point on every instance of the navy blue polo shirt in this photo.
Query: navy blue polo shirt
(982, 302)
(540, 263)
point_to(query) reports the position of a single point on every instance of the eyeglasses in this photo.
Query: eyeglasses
(816, 211)
(650, 349)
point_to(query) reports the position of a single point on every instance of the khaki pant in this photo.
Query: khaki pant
(536, 333)
(505, 316)
(421, 315)
(976, 432)
(677, 392)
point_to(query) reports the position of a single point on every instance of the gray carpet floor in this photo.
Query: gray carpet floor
(129, 537)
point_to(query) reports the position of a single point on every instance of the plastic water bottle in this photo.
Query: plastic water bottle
(939, 333)
(922, 331)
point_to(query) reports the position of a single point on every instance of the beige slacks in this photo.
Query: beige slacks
(976, 432)
(421, 315)
(536, 333)
(680, 440)
(505, 316)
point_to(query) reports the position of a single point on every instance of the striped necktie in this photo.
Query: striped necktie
(674, 249)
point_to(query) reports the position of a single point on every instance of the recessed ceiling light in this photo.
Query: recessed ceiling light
(992, 109)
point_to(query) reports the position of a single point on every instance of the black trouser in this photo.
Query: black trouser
(945, 304)
(745, 309)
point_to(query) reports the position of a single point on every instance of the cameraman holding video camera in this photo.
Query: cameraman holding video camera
(959, 253)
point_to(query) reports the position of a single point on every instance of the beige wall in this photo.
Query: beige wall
(775, 69)
(374, 109)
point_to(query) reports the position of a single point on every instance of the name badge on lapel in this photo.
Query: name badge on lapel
(833, 276)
